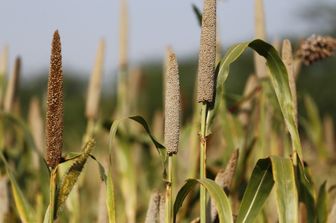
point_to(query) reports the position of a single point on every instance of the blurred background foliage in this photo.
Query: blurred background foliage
(317, 81)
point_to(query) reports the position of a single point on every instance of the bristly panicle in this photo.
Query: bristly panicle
(172, 105)
(54, 119)
(207, 54)
(316, 48)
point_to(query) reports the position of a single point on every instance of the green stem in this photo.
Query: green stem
(53, 178)
(169, 196)
(203, 144)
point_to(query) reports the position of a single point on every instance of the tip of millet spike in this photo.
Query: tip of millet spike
(54, 118)
(172, 104)
(207, 54)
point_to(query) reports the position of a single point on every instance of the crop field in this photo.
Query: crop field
(189, 151)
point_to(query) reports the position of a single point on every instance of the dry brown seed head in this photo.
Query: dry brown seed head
(207, 54)
(316, 48)
(54, 118)
(172, 105)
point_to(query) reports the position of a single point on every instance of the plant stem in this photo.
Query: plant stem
(53, 178)
(89, 130)
(203, 142)
(169, 197)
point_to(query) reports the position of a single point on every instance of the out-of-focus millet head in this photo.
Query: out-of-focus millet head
(54, 118)
(316, 48)
(172, 104)
(207, 54)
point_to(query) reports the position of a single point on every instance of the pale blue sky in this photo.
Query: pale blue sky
(27, 27)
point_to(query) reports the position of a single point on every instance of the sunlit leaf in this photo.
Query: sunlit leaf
(258, 189)
(278, 76)
(24, 209)
(110, 200)
(322, 204)
(285, 189)
(72, 175)
(217, 194)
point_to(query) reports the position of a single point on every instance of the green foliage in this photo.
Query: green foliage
(25, 211)
(216, 193)
(71, 176)
(285, 187)
(257, 191)
(131, 170)
(322, 204)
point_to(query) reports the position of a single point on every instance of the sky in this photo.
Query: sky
(27, 28)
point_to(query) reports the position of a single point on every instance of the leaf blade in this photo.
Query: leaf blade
(24, 209)
(285, 188)
(216, 193)
(258, 188)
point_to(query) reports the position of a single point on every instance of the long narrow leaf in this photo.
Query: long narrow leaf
(140, 120)
(306, 192)
(24, 209)
(278, 76)
(72, 175)
(257, 191)
(110, 200)
(322, 205)
(217, 194)
(285, 187)
(279, 79)
(198, 14)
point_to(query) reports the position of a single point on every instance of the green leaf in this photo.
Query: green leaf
(280, 83)
(126, 165)
(217, 194)
(27, 135)
(306, 191)
(110, 200)
(258, 189)
(140, 120)
(71, 177)
(322, 204)
(198, 14)
(285, 189)
(101, 169)
(47, 215)
(25, 211)
(223, 68)
(278, 76)
(313, 126)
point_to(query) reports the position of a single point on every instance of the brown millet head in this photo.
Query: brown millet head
(207, 54)
(54, 119)
(316, 48)
(172, 105)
